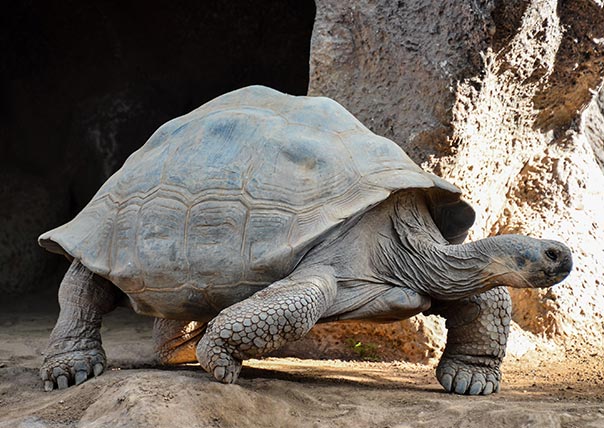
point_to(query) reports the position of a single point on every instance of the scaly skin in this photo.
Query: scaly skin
(283, 312)
(75, 353)
(175, 341)
(478, 329)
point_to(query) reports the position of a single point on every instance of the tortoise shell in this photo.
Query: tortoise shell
(236, 192)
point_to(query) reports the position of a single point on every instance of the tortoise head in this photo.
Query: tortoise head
(512, 260)
(522, 261)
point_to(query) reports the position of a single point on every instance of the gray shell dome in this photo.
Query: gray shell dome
(237, 191)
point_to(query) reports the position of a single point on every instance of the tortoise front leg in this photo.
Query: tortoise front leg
(284, 311)
(74, 352)
(478, 329)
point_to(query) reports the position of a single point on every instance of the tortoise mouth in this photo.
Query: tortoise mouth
(559, 274)
(560, 271)
(552, 277)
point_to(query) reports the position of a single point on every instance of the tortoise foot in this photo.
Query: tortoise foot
(65, 369)
(281, 313)
(459, 376)
(217, 360)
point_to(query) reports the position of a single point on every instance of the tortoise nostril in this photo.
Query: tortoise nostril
(552, 254)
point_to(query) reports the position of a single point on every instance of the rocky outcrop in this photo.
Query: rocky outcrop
(494, 96)
(395, 64)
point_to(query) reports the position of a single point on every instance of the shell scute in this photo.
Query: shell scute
(268, 226)
(324, 114)
(214, 238)
(160, 231)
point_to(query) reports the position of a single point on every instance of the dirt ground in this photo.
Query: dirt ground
(547, 391)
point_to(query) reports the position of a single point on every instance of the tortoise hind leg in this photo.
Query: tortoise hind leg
(284, 311)
(74, 352)
(175, 341)
(478, 329)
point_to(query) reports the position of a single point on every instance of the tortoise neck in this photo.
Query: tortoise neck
(417, 256)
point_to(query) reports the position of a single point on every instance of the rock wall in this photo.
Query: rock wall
(500, 98)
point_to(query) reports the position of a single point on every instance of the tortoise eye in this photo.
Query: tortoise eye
(552, 254)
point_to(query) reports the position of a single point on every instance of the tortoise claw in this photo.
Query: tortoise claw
(98, 369)
(80, 377)
(461, 377)
(73, 368)
(62, 382)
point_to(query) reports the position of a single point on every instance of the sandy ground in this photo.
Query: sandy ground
(564, 391)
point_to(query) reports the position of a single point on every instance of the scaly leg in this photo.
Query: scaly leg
(284, 311)
(175, 341)
(74, 352)
(478, 329)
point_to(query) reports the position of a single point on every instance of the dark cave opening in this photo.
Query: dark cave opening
(84, 84)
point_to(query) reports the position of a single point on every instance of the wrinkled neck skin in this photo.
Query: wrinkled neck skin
(397, 244)
(410, 252)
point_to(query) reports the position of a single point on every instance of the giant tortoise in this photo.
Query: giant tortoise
(260, 214)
